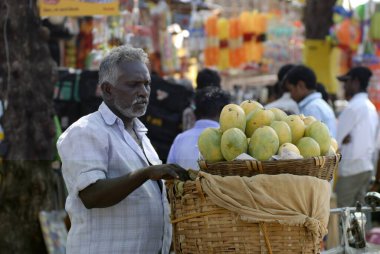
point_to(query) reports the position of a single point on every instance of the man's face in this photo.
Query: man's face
(131, 92)
(350, 87)
(296, 91)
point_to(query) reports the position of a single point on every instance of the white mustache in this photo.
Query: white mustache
(138, 101)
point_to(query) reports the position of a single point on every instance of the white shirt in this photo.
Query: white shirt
(97, 147)
(184, 150)
(285, 103)
(359, 120)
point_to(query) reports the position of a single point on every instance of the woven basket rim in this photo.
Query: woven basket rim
(339, 155)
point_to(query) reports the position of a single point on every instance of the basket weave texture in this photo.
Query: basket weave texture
(200, 226)
(322, 167)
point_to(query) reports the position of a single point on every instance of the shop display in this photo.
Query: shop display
(246, 21)
(284, 42)
(196, 33)
(211, 52)
(236, 51)
(223, 36)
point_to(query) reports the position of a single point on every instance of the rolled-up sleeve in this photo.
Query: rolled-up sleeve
(84, 155)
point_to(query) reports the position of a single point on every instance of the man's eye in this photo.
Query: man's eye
(147, 84)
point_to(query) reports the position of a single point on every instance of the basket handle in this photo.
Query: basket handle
(198, 186)
(254, 165)
(320, 161)
(337, 159)
(202, 164)
(263, 229)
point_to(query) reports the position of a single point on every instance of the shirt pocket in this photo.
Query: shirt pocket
(145, 191)
(150, 153)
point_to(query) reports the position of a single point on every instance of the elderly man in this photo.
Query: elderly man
(116, 202)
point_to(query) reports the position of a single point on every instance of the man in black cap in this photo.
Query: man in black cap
(356, 136)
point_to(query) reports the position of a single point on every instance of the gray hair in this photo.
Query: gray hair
(108, 69)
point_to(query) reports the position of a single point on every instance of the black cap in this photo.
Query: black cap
(361, 73)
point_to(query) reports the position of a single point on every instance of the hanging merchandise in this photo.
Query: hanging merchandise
(368, 55)
(101, 37)
(259, 27)
(223, 36)
(211, 50)
(247, 24)
(84, 41)
(196, 30)
(138, 33)
(115, 36)
(374, 89)
(237, 57)
(158, 23)
(375, 21)
(346, 34)
(70, 55)
(283, 44)
(163, 44)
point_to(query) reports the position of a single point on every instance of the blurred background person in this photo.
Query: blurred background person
(356, 137)
(206, 77)
(281, 94)
(302, 84)
(209, 102)
(321, 89)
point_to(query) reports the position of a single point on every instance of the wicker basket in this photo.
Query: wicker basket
(322, 167)
(200, 226)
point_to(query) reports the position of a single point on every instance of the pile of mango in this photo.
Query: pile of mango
(264, 133)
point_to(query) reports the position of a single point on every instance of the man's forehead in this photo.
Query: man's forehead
(133, 70)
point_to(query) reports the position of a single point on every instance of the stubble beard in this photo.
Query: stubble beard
(129, 112)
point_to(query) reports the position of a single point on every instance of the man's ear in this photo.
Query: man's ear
(106, 88)
(356, 83)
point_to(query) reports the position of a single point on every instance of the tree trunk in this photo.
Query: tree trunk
(26, 82)
(318, 18)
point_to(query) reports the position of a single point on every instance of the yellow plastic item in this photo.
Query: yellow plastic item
(324, 60)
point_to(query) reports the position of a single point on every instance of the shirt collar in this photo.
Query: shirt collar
(359, 96)
(204, 123)
(310, 98)
(286, 95)
(110, 118)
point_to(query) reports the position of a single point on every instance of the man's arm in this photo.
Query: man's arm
(109, 192)
(376, 184)
(346, 122)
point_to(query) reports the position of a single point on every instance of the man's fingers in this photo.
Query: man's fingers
(173, 174)
(176, 167)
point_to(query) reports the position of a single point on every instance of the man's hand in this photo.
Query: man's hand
(375, 187)
(166, 172)
(347, 139)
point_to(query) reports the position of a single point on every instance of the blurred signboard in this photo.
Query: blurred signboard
(78, 7)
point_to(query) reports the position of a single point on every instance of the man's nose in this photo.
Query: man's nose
(144, 90)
